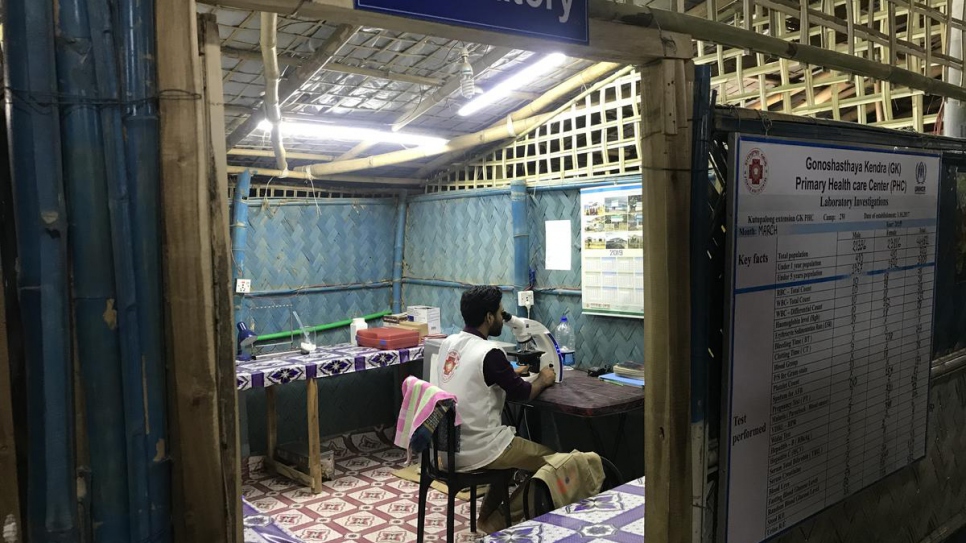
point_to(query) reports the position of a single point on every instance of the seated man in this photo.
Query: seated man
(478, 373)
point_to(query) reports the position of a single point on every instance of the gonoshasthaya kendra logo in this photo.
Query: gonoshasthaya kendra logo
(755, 171)
(450, 364)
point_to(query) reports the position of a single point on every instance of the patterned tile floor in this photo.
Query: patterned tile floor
(364, 502)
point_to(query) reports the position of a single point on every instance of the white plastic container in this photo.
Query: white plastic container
(358, 323)
(566, 342)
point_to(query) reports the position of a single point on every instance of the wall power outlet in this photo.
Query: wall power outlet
(525, 298)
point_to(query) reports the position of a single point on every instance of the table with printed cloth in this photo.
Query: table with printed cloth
(614, 516)
(260, 528)
(326, 361)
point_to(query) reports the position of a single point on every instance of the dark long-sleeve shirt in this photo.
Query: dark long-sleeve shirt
(498, 371)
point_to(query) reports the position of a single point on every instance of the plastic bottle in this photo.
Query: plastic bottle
(564, 335)
(358, 323)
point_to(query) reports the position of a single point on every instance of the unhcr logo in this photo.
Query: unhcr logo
(921, 172)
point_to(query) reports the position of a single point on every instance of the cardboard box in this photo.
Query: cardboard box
(427, 314)
(420, 327)
(398, 317)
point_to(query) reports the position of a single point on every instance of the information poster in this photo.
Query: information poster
(612, 251)
(830, 325)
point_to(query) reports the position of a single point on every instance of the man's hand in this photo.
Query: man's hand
(548, 377)
(522, 370)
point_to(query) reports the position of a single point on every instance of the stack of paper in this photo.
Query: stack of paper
(632, 370)
(624, 381)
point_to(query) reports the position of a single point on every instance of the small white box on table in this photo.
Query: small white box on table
(427, 314)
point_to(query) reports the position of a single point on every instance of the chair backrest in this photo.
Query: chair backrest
(443, 444)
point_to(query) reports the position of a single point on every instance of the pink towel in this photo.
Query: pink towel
(419, 401)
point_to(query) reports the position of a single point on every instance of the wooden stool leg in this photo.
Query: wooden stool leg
(473, 508)
(271, 428)
(315, 441)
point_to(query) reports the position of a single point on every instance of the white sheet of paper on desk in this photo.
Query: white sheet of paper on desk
(559, 245)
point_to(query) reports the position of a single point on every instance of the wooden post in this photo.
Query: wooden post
(271, 428)
(315, 442)
(200, 496)
(10, 489)
(221, 268)
(666, 119)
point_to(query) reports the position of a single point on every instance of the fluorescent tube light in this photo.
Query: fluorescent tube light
(502, 90)
(344, 133)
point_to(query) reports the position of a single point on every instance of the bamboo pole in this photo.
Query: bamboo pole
(735, 37)
(512, 127)
(267, 154)
(340, 180)
(337, 67)
(268, 38)
(584, 78)
(306, 71)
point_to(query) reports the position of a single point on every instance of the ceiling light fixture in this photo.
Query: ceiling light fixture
(345, 133)
(502, 90)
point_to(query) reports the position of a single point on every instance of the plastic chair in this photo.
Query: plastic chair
(542, 500)
(499, 480)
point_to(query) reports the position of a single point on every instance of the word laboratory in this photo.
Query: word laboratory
(566, 5)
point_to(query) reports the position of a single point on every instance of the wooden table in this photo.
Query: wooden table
(588, 397)
(326, 361)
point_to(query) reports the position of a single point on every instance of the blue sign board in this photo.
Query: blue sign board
(561, 20)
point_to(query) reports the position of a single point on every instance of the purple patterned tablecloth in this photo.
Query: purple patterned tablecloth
(615, 516)
(261, 528)
(326, 361)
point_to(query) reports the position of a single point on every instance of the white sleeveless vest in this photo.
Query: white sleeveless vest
(459, 371)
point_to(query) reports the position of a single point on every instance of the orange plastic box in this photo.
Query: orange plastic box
(387, 338)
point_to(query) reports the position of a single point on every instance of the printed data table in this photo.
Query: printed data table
(833, 265)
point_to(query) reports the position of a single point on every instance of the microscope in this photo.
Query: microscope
(538, 349)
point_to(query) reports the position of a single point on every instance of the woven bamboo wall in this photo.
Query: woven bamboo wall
(600, 340)
(304, 245)
(464, 240)
(470, 240)
(320, 243)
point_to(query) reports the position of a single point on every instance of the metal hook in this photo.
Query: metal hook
(765, 121)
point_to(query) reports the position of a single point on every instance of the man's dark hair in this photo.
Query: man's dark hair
(477, 302)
